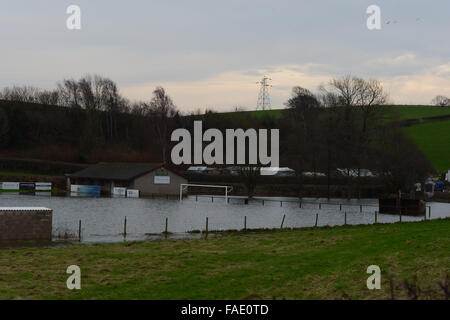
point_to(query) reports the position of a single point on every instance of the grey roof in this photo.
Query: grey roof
(114, 171)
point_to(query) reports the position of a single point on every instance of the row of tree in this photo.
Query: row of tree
(101, 109)
(339, 127)
(342, 128)
(441, 101)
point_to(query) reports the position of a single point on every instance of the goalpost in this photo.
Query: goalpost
(184, 186)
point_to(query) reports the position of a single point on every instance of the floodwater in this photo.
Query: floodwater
(102, 219)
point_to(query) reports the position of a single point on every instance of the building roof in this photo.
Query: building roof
(114, 171)
(24, 209)
(197, 168)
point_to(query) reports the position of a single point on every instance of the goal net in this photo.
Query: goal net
(184, 187)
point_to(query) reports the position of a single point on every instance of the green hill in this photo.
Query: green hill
(433, 139)
(414, 112)
(391, 112)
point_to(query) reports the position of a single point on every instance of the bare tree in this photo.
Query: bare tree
(48, 97)
(303, 106)
(441, 101)
(302, 120)
(69, 93)
(250, 176)
(20, 94)
(161, 111)
(360, 99)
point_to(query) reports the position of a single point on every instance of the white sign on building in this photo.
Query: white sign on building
(119, 191)
(161, 180)
(132, 193)
(10, 185)
(43, 186)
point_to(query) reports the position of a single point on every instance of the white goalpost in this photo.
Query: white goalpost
(184, 186)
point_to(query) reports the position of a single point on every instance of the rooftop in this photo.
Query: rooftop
(24, 209)
(108, 171)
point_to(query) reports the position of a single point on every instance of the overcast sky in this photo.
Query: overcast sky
(210, 53)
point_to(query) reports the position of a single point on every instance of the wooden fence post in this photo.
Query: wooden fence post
(125, 227)
(167, 226)
(245, 223)
(345, 218)
(79, 230)
(282, 221)
(317, 218)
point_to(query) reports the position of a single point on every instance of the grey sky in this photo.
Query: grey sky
(210, 53)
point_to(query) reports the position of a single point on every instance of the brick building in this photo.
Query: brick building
(148, 179)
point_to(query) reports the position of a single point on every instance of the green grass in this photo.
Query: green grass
(433, 140)
(392, 112)
(275, 113)
(418, 112)
(259, 114)
(414, 112)
(323, 263)
(22, 174)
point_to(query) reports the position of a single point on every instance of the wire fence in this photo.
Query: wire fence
(313, 215)
(305, 204)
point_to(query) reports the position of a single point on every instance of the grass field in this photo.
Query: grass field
(325, 263)
(22, 174)
(394, 112)
(415, 112)
(433, 139)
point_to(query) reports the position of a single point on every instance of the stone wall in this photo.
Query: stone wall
(25, 224)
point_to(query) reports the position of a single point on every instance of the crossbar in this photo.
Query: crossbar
(182, 185)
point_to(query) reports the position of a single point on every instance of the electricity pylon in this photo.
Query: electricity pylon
(263, 97)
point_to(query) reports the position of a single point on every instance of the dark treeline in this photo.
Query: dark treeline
(338, 131)
(85, 120)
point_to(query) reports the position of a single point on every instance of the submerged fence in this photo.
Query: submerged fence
(302, 204)
(246, 226)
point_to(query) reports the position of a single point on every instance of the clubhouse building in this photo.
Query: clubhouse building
(147, 179)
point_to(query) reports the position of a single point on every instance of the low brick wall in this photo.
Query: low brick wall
(25, 224)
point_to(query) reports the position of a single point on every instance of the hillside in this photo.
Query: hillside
(72, 135)
(391, 112)
(433, 139)
(415, 112)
